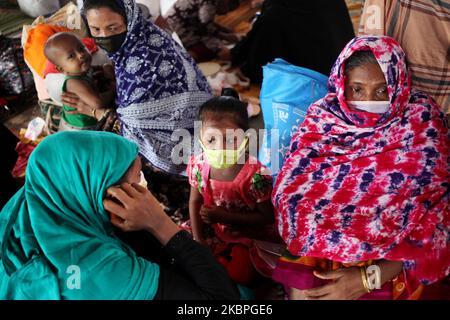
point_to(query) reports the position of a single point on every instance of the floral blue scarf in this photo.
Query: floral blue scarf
(159, 89)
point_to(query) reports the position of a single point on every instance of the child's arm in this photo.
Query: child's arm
(195, 203)
(262, 215)
(88, 95)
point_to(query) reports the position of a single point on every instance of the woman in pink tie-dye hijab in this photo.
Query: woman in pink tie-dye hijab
(366, 181)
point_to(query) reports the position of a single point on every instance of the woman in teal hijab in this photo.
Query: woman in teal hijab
(57, 240)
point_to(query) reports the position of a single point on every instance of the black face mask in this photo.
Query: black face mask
(111, 44)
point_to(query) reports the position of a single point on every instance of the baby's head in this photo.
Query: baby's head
(68, 53)
(224, 123)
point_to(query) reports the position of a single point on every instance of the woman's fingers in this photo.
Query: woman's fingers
(70, 99)
(131, 209)
(319, 291)
(139, 188)
(346, 285)
(144, 191)
(118, 222)
(296, 294)
(329, 275)
(324, 297)
(120, 195)
(69, 102)
(70, 95)
(113, 207)
(130, 190)
(333, 294)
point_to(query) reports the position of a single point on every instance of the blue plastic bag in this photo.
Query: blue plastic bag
(287, 92)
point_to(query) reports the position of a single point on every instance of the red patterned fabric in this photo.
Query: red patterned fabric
(252, 185)
(358, 186)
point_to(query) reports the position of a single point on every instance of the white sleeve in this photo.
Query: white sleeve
(54, 83)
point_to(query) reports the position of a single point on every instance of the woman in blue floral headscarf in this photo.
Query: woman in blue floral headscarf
(159, 87)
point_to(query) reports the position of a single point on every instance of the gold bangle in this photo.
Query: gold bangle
(103, 114)
(364, 279)
(93, 112)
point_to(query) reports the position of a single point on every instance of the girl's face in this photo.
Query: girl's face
(103, 22)
(221, 134)
(366, 83)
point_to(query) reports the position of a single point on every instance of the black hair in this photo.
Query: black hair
(113, 5)
(230, 92)
(226, 106)
(358, 59)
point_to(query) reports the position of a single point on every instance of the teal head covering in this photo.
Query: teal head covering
(56, 238)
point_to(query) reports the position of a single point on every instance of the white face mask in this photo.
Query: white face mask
(378, 107)
(143, 182)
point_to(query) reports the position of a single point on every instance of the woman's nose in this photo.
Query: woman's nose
(368, 96)
(101, 34)
(371, 96)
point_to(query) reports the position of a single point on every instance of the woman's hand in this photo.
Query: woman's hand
(133, 208)
(346, 285)
(73, 100)
(213, 214)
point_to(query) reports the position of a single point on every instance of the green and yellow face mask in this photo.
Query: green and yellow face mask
(223, 159)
